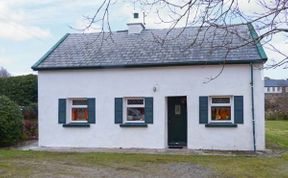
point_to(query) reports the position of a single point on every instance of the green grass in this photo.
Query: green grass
(29, 162)
(277, 134)
(16, 163)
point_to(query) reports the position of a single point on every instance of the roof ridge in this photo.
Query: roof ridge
(156, 29)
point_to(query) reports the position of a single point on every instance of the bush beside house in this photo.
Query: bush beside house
(23, 91)
(11, 122)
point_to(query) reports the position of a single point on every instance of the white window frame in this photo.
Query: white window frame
(71, 106)
(210, 104)
(126, 105)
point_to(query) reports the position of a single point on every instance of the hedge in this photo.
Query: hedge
(10, 122)
(20, 89)
(277, 115)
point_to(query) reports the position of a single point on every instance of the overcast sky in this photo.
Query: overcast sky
(29, 28)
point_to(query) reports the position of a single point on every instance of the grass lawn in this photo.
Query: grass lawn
(17, 163)
(277, 134)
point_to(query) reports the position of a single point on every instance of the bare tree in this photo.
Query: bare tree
(269, 19)
(4, 73)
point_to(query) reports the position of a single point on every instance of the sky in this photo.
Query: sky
(29, 28)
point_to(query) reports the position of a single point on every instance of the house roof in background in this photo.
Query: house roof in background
(153, 47)
(276, 83)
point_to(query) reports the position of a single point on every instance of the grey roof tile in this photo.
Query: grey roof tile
(148, 47)
(276, 83)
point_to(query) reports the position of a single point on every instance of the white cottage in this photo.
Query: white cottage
(132, 89)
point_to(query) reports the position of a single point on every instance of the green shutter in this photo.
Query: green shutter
(149, 110)
(118, 110)
(203, 109)
(91, 110)
(62, 111)
(238, 110)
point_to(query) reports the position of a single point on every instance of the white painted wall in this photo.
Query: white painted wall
(106, 84)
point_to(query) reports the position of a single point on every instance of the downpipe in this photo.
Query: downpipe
(252, 107)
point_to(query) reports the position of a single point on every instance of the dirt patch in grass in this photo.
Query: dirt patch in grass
(54, 168)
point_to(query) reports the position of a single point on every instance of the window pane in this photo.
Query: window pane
(79, 102)
(135, 114)
(79, 114)
(135, 101)
(220, 113)
(220, 100)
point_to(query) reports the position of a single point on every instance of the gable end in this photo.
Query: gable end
(35, 66)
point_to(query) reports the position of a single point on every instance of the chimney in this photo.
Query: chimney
(135, 25)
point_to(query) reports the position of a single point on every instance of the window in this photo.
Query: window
(286, 88)
(134, 109)
(220, 109)
(79, 110)
(76, 112)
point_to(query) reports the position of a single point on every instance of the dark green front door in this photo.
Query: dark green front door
(177, 121)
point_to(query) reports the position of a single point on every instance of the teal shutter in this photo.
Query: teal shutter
(118, 110)
(149, 110)
(91, 110)
(203, 109)
(62, 111)
(238, 110)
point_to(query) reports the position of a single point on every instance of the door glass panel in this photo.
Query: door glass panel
(177, 109)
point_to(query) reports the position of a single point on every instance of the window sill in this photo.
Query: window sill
(134, 125)
(76, 125)
(223, 124)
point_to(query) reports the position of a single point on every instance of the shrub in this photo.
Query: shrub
(10, 122)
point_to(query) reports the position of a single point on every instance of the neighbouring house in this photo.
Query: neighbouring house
(276, 97)
(275, 87)
(146, 88)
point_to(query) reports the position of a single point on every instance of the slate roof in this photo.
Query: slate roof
(276, 83)
(153, 47)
